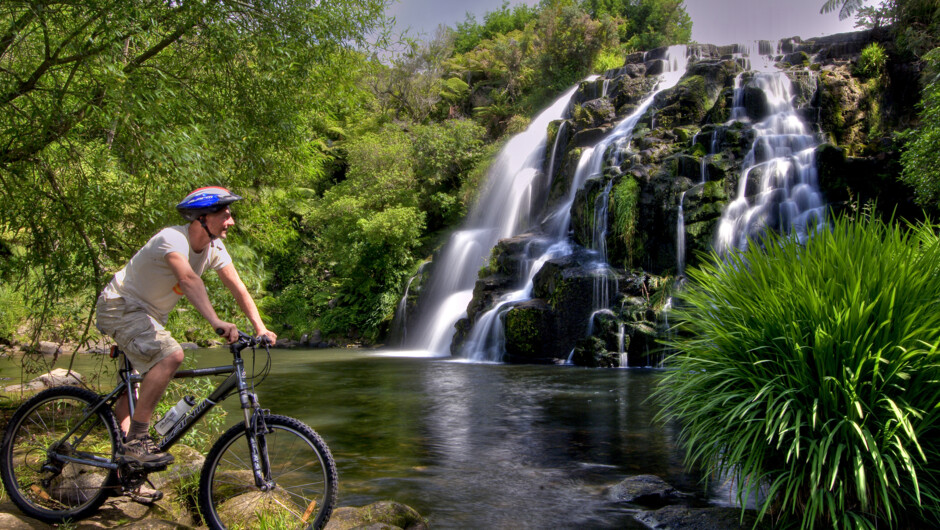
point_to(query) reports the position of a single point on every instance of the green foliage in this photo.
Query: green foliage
(871, 62)
(921, 167)
(110, 112)
(645, 24)
(607, 60)
(623, 204)
(469, 33)
(810, 372)
(914, 23)
(204, 434)
(846, 7)
(12, 312)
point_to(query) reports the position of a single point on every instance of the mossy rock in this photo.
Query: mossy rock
(530, 332)
(383, 514)
(256, 509)
(591, 352)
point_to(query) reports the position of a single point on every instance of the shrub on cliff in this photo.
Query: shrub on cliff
(811, 373)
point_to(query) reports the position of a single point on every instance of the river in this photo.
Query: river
(470, 445)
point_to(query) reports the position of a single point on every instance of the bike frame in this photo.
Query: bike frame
(237, 380)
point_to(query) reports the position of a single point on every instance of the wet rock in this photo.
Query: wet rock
(593, 353)
(387, 515)
(593, 113)
(688, 518)
(647, 490)
(530, 332)
(588, 137)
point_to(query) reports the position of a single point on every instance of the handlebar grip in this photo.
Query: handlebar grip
(219, 331)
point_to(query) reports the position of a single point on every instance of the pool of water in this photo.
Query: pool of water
(470, 445)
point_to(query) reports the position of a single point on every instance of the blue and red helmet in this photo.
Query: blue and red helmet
(204, 201)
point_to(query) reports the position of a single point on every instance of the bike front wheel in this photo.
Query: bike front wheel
(299, 489)
(52, 477)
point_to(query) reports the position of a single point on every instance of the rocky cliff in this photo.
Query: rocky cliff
(684, 158)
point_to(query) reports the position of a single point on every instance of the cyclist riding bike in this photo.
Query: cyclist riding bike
(134, 307)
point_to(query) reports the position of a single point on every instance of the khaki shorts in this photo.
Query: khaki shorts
(144, 340)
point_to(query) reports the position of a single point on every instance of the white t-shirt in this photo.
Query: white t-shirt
(148, 279)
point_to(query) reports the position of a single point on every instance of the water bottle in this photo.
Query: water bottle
(174, 415)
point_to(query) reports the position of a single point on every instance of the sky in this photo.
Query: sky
(713, 21)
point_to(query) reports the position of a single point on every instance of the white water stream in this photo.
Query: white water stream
(504, 209)
(777, 188)
(784, 197)
(486, 341)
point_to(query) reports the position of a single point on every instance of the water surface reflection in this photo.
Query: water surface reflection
(474, 445)
(482, 445)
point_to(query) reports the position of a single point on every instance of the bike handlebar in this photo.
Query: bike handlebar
(245, 339)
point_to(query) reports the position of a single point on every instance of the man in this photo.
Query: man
(133, 308)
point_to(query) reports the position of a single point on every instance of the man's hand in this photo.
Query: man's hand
(228, 330)
(265, 333)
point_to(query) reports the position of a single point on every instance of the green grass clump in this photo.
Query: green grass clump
(812, 373)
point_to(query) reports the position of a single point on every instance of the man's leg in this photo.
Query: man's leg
(139, 447)
(154, 384)
(123, 413)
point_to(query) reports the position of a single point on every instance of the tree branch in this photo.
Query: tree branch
(14, 29)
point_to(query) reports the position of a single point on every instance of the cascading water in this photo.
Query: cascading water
(504, 208)
(778, 187)
(680, 238)
(486, 341)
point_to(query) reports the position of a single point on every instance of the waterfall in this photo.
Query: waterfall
(486, 340)
(603, 273)
(503, 209)
(778, 187)
(680, 238)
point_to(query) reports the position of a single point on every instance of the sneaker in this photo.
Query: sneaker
(145, 495)
(143, 452)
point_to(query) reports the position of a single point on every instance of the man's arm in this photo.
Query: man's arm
(233, 281)
(195, 290)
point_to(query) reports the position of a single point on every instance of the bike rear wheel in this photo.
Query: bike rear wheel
(38, 482)
(302, 472)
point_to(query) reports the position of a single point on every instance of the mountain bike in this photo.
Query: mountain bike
(58, 456)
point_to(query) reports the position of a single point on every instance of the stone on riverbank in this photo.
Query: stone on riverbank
(648, 490)
(57, 377)
(687, 518)
(387, 515)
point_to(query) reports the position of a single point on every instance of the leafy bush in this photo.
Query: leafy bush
(607, 60)
(12, 311)
(811, 373)
(919, 157)
(871, 62)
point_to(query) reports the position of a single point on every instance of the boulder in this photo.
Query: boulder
(647, 490)
(57, 377)
(386, 515)
(254, 509)
(530, 333)
(593, 113)
(186, 467)
(689, 518)
(48, 348)
(593, 353)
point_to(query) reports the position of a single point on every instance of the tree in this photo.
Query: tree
(110, 110)
(645, 24)
(846, 8)
(921, 169)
